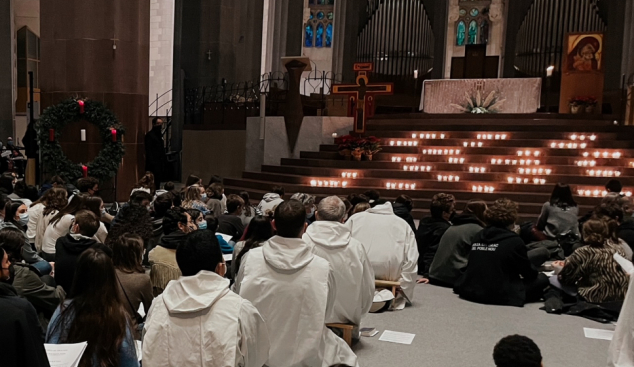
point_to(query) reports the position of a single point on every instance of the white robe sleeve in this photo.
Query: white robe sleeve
(621, 352)
(240, 275)
(332, 292)
(155, 348)
(409, 269)
(253, 338)
(367, 283)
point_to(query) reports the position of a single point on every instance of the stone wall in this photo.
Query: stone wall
(161, 54)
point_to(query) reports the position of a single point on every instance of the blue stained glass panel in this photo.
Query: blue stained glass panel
(329, 35)
(311, 16)
(460, 34)
(319, 39)
(308, 35)
(473, 33)
(320, 15)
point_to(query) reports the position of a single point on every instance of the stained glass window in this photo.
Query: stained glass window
(460, 33)
(308, 35)
(473, 33)
(312, 16)
(319, 35)
(474, 12)
(320, 15)
(331, 16)
(329, 35)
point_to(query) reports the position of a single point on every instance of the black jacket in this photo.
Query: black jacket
(401, 211)
(22, 337)
(626, 232)
(231, 225)
(496, 261)
(172, 240)
(428, 236)
(155, 157)
(67, 251)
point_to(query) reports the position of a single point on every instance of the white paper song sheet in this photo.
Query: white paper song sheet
(227, 257)
(226, 237)
(598, 333)
(64, 355)
(139, 349)
(397, 337)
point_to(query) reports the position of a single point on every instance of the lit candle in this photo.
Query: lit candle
(334, 135)
(84, 170)
(83, 134)
(114, 135)
(549, 71)
(415, 74)
(81, 106)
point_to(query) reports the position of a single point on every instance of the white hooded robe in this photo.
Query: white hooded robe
(293, 290)
(352, 270)
(199, 322)
(621, 353)
(391, 247)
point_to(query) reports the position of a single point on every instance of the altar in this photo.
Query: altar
(518, 95)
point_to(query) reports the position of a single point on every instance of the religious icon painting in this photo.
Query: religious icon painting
(583, 53)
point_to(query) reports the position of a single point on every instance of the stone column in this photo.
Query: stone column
(7, 84)
(99, 50)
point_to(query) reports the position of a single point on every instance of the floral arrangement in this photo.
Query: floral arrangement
(371, 145)
(349, 143)
(354, 145)
(582, 101)
(476, 104)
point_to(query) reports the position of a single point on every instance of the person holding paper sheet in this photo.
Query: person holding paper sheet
(294, 290)
(20, 330)
(198, 321)
(592, 268)
(391, 247)
(93, 302)
(332, 240)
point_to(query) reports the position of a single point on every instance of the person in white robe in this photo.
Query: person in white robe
(621, 352)
(294, 290)
(197, 321)
(332, 240)
(391, 247)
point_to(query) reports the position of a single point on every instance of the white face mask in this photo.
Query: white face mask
(24, 218)
(312, 211)
(203, 196)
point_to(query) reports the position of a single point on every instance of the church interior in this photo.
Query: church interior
(513, 116)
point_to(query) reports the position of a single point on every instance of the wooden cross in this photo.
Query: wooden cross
(361, 95)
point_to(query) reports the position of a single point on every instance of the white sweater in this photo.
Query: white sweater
(55, 231)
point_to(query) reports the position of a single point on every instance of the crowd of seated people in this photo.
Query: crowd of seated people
(72, 267)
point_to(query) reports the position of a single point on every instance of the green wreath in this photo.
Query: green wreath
(52, 122)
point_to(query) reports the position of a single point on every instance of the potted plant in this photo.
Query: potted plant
(357, 153)
(371, 146)
(347, 144)
(576, 105)
(590, 104)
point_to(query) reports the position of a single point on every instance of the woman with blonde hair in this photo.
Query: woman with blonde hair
(193, 199)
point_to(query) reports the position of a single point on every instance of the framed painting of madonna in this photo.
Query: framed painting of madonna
(584, 53)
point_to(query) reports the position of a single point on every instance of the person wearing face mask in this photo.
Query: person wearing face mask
(194, 199)
(21, 337)
(177, 223)
(69, 247)
(155, 156)
(309, 204)
(17, 216)
(231, 223)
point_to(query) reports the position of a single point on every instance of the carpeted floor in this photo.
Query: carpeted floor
(453, 332)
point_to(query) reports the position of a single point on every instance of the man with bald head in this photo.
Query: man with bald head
(332, 240)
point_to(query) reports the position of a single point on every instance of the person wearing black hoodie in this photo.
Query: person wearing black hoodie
(453, 251)
(22, 337)
(431, 230)
(499, 271)
(69, 247)
(402, 207)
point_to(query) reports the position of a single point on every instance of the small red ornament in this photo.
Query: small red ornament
(84, 170)
(114, 135)
(81, 106)
(51, 134)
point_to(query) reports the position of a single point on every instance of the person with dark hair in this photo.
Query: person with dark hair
(20, 193)
(70, 247)
(146, 183)
(193, 180)
(198, 218)
(309, 203)
(135, 287)
(17, 216)
(559, 215)
(92, 303)
(499, 271)
(55, 181)
(614, 186)
(390, 245)
(133, 219)
(249, 211)
(177, 223)
(40, 213)
(332, 240)
(258, 231)
(612, 213)
(402, 207)
(21, 336)
(59, 225)
(230, 223)
(431, 229)
(215, 195)
(7, 181)
(4, 202)
(626, 228)
(161, 205)
(455, 245)
(517, 351)
(212, 226)
(95, 205)
(271, 200)
(372, 195)
(173, 193)
(88, 185)
(285, 281)
(155, 156)
(197, 311)
(592, 268)
(30, 284)
(141, 198)
(356, 199)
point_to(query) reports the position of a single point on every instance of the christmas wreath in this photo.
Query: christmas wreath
(51, 124)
